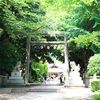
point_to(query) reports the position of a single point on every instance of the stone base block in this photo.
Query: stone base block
(74, 86)
(15, 78)
(16, 81)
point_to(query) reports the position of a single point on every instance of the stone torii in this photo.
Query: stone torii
(29, 42)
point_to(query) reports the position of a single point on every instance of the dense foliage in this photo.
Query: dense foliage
(95, 85)
(37, 71)
(84, 31)
(96, 97)
(18, 19)
(9, 54)
(80, 21)
(91, 41)
(94, 65)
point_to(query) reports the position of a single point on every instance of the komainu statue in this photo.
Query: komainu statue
(74, 67)
(17, 67)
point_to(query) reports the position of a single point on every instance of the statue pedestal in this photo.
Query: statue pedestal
(16, 78)
(74, 79)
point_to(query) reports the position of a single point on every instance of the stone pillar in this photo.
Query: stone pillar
(0, 80)
(94, 77)
(27, 59)
(66, 59)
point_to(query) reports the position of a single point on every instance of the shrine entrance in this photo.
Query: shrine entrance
(30, 42)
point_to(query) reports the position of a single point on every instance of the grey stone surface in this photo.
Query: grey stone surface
(5, 90)
(61, 93)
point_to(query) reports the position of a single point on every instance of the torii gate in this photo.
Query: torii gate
(29, 42)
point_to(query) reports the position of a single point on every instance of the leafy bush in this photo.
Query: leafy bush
(96, 97)
(94, 65)
(95, 85)
(37, 71)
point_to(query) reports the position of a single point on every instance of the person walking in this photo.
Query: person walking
(45, 78)
(61, 79)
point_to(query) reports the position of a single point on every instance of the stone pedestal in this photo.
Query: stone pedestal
(16, 78)
(74, 79)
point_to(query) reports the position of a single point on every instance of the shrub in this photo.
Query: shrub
(95, 85)
(96, 97)
(94, 65)
(38, 70)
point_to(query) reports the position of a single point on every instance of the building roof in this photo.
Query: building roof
(54, 66)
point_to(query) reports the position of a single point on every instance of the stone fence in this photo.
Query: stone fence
(86, 79)
(3, 80)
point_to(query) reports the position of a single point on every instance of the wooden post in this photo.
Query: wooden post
(27, 59)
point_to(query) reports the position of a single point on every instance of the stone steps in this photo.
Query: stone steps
(36, 89)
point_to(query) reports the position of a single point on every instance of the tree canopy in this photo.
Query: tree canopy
(79, 20)
(20, 17)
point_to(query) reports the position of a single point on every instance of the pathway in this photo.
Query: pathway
(42, 92)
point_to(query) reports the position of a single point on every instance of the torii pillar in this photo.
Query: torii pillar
(27, 59)
(66, 58)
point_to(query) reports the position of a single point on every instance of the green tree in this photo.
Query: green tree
(9, 55)
(89, 41)
(75, 18)
(18, 19)
(94, 65)
(84, 31)
(22, 17)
